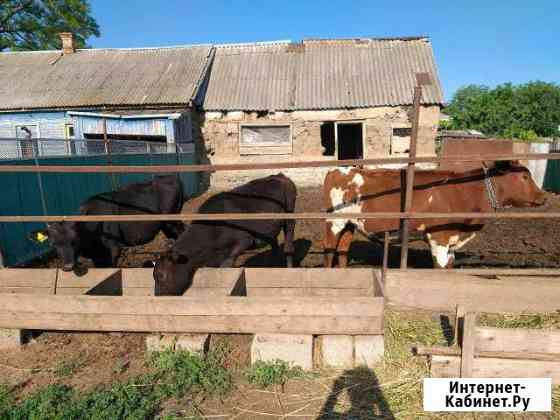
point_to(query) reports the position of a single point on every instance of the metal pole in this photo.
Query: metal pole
(109, 154)
(40, 182)
(421, 79)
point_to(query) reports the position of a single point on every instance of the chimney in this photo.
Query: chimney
(67, 39)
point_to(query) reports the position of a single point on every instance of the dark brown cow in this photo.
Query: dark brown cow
(352, 190)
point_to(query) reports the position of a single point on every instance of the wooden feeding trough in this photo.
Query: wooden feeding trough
(334, 311)
(486, 352)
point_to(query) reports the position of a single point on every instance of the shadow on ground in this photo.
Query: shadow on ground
(364, 399)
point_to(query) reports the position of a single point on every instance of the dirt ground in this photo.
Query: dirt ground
(502, 243)
(86, 360)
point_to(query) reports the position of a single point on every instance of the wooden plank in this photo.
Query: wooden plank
(456, 351)
(308, 292)
(216, 277)
(92, 278)
(27, 277)
(517, 340)
(488, 271)
(276, 216)
(171, 305)
(28, 290)
(467, 348)
(241, 324)
(449, 367)
(442, 291)
(335, 278)
(138, 282)
(459, 319)
(270, 165)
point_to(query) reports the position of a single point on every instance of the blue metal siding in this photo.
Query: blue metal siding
(49, 124)
(141, 126)
(65, 192)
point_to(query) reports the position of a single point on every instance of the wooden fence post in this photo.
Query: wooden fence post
(467, 349)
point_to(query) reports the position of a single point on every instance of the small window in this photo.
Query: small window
(69, 131)
(400, 140)
(265, 139)
(270, 135)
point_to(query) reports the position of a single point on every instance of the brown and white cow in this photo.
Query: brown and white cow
(353, 190)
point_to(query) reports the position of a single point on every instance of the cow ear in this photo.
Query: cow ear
(39, 236)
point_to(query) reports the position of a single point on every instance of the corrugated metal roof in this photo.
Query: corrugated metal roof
(320, 74)
(102, 77)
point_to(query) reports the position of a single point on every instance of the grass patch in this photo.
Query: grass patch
(179, 372)
(264, 374)
(539, 321)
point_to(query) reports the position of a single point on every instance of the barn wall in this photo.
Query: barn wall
(217, 137)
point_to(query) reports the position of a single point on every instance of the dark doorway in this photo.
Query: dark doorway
(350, 141)
(327, 138)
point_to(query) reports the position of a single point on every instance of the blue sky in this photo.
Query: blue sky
(484, 42)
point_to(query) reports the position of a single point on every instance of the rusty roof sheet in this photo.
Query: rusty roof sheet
(101, 77)
(320, 74)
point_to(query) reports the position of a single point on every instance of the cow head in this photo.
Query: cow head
(517, 186)
(63, 237)
(171, 274)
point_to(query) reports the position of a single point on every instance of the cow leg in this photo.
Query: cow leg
(289, 250)
(343, 246)
(329, 245)
(236, 251)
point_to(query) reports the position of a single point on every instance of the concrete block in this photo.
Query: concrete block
(294, 349)
(336, 350)
(11, 338)
(368, 349)
(195, 343)
(158, 342)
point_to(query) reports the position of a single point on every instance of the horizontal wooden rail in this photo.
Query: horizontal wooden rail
(277, 216)
(455, 351)
(265, 166)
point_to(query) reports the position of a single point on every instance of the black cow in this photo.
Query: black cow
(103, 241)
(219, 243)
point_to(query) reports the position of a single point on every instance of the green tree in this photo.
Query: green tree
(525, 111)
(35, 24)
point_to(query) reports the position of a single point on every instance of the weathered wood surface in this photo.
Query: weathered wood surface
(442, 291)
(184, 314)
(99, 281)
(468, 344)
(483, 367)
(517, 339)
(215, 282)
(456, 351)
(332, 278)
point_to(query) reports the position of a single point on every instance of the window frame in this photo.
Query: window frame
(266, 148)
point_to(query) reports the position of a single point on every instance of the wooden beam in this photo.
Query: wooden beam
(437, 290)
(277, 216)
(521, 340)
(456, 351)
(331, 278)
(488, 367)
(467, 347)
(355, 316)
(409, 186)
(272, 165)
(459, 320)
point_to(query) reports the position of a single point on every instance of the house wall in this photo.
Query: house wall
(49, 124)
(217, 138)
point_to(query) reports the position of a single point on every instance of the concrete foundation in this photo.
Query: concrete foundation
(158, 342)
(336, 350)
(294, 349)
(195, 343)
(11, 338)
(368, 349)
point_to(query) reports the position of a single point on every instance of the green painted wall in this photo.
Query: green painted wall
(64, 192)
